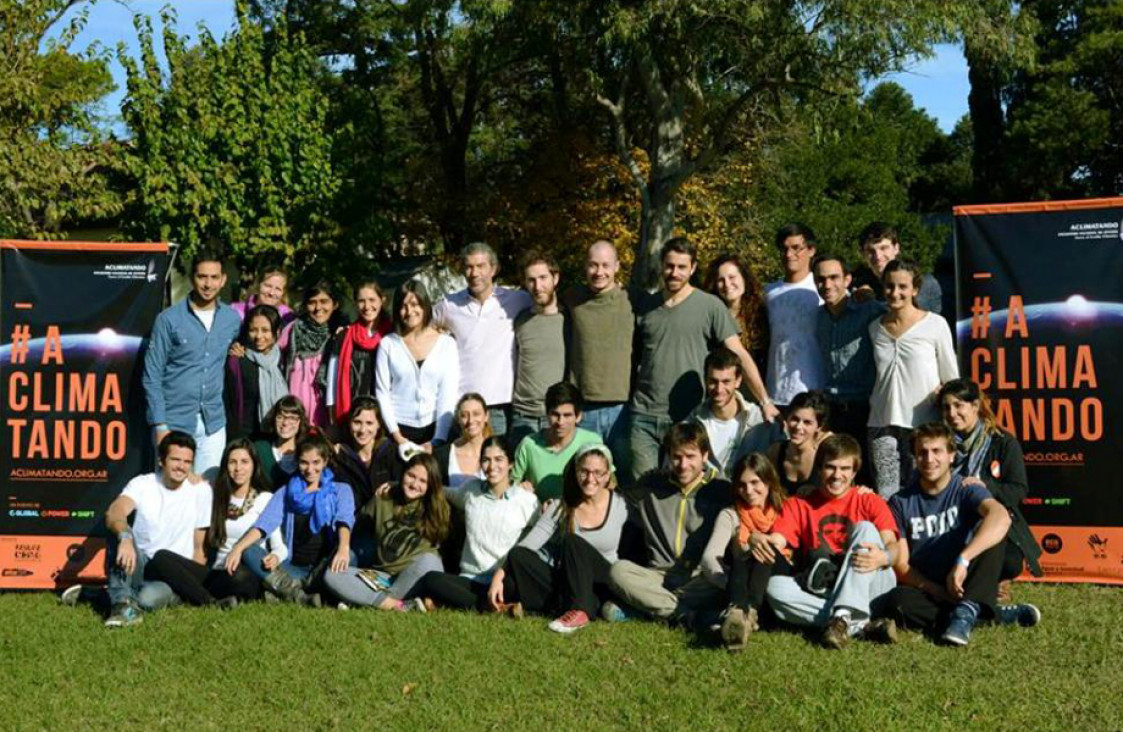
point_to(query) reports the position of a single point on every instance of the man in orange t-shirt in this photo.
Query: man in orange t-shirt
(843, 544)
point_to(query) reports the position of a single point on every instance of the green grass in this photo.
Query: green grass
(285, 667)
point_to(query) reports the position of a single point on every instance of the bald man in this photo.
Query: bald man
(599, 354)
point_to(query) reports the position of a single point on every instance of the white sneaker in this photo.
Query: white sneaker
(70, 595)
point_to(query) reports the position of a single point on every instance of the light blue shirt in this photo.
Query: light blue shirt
(183, 367)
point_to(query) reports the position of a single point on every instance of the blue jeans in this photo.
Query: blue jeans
(253, 557)
(499, 416)
(523, 426)
(645, 438)
(610, 421)
(132, 587)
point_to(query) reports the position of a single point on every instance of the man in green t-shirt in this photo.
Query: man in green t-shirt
(675, 329)
(541, 458)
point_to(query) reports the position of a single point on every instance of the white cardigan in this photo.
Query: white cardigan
(417, 397)
(909, 370)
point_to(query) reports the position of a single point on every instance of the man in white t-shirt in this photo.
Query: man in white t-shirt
(169, 512)
(482, 319)
(794, 362)
(734, 425)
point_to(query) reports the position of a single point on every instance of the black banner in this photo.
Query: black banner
(73, 318)
(1040, 328)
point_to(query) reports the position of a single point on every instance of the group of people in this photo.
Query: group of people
(581, 453)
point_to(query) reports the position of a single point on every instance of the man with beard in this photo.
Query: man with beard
(835, 550)
(675, 329)
(185, 361)
(539, 346)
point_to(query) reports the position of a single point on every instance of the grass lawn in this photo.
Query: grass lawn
(285, 667)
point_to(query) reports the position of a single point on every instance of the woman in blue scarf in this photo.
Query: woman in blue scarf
(315, 514)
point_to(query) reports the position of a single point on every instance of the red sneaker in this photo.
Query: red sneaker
(570, 622)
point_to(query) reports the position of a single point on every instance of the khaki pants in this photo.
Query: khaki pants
(661, 594)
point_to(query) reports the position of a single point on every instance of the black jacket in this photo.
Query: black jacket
(1004, 472)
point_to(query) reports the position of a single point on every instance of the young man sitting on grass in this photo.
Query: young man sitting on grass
(677, 510)
(844, 543)
(170, 525)
(953, 533)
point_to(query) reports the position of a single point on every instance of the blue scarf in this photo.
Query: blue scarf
(320, 504)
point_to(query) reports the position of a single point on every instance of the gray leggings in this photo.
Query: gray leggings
(891, 458)
(347, 586)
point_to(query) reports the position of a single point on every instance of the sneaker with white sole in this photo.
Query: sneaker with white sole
(1024, 614)
(70, 595)
(123, 615)
(570, 622)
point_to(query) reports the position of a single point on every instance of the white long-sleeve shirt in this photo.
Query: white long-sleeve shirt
(492, 525)
(236, 528)
(417, 396)
(909, 370)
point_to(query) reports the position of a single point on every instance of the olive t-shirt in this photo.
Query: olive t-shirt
(673, 344)
(540, 359)
(601, 327)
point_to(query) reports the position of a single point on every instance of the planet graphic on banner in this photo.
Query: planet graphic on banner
(82, 351)
(1061, 321)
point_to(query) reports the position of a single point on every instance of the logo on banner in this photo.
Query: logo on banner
(128, 271)
(1093, 231)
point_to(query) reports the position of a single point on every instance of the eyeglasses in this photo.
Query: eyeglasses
(288, 417)
(583, 474)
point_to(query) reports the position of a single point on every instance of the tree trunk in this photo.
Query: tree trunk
(658, 222)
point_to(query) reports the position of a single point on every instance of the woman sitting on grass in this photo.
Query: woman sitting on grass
(757, 501)
(398, 535)
(496, 515)
(365, 459)
(987, 455)
(562, 565)
(315, 514)
(240, 494)
(806, 426)
(285, 426)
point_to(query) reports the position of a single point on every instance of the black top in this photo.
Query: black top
(364, 479)
(1009, 487)
(308, 548)
(792, 487)
(240, 397)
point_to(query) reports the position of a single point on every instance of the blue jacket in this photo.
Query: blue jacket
(183, 367)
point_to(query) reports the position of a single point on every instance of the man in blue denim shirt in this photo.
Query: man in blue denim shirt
(843, 332)
(183, 366)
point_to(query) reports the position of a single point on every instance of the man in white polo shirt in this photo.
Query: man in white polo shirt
(482, 319)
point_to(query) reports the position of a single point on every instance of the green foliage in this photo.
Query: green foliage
(233, 144)
(53, 163)
(272, 667)
(872, 163)
(1065, 116)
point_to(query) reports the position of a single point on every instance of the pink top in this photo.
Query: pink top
(302, 382)
(287, 314)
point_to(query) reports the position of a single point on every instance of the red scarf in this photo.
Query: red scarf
(754, 519)
(356, 336)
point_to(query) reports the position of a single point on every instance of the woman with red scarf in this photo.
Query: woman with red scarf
(758, 498)
(350, 370)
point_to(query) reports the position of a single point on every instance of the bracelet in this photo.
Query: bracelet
(963, 561)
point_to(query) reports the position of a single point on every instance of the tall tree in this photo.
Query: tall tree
(679, 78)
(53, 162)
(232, 144)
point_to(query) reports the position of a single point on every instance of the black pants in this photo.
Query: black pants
(851, 418)
(748, 580)
(197, 584)
(1013, 561)
(583, 577)
(913, 608)
(452, 590)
